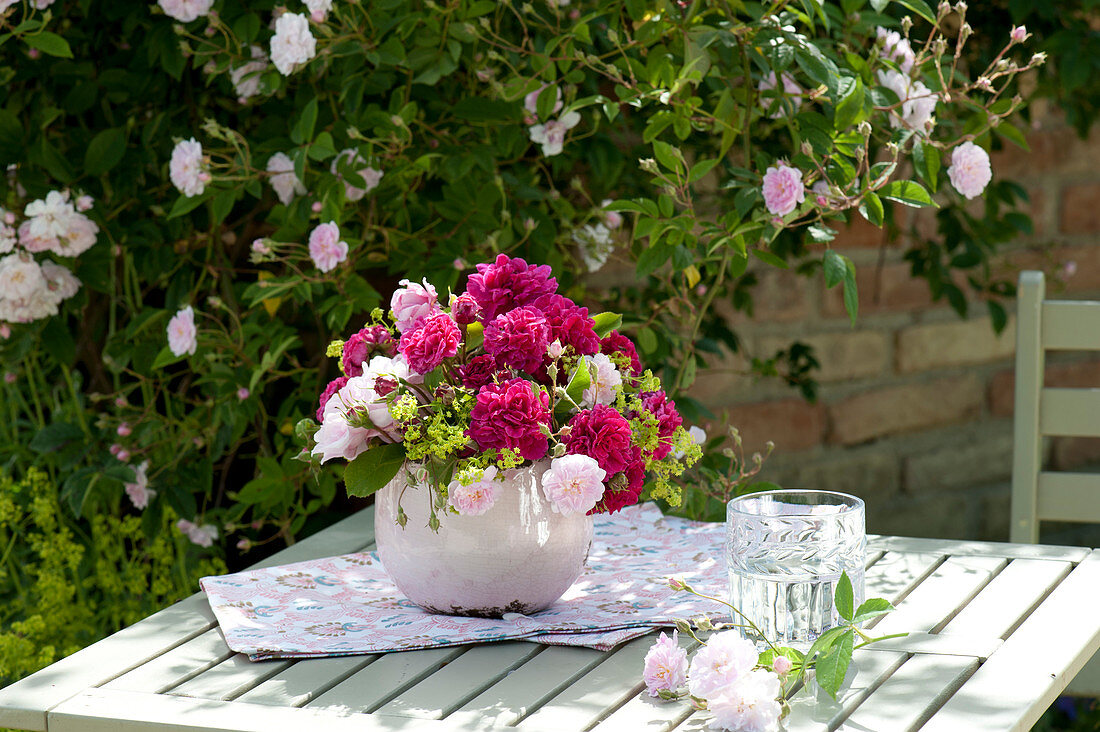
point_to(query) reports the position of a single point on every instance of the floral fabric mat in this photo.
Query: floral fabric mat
(348, 605)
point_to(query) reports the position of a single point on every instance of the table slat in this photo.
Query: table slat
(229, 679)
(939, 595)
(305, 680)
(911, 694)
(596, 694)
(977, 548)
(176, 666)
(527, 687)
(1018, 682)
(458, 681)
(895, 574)
(391, 674)
(812, 710)
(1001, 604)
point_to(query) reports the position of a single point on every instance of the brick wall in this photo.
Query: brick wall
(915, 405)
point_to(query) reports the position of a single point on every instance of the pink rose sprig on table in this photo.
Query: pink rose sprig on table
(508, 373)
(744, 690)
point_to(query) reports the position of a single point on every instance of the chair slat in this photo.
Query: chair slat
(1069, 412)
(1071, 325)
(1069, 497)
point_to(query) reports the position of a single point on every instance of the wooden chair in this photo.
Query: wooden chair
(1039, 495)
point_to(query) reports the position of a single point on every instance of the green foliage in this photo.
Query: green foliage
(65, 584)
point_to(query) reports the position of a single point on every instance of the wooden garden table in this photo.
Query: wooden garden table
(996, 632)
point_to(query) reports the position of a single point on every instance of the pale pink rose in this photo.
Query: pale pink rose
(325, 247)
(186, 169)
(260, 248)
(293, 45)
(350, 158)
(896, 48)
(531, 101)
(477, 497)
(970, 171)
(724, 660)
(666, 665)
(573, 484)
(246, 77)
(9, 237)
(318, 9)
(20, 277)
(918, 101)
(9, 377)
(201, 535)
(185, 10)
(283, 178)
(5, 4)
(785, 103)
(316, 207)
(337, 439)
(139, 491)
(182, 333)
(84, 203)
(782, 665)
(1019, 34)
(750, 705)
(123, 455)
(124, 430)
(606, 381)
(5, 331)
(552, 134)
(79, 236)
(783, 189)
(243, 393)
(412, 303)
(48, 218)
(611, 219)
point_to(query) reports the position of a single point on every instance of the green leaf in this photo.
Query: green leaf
(59, 341)
(606, 322)
(187, 204)
(700, 169)
(166, 358)
(765, 256)
(580, 380)
(871, 209)
(373, 469)
(850, 107)
(50, 43)
(767, 658)
(223, 204)
(647, 339)
(832, 665)
(879, 5)
(920, 8)
(821, 234)
(105, 151)
(824, 642)
(54, 436)
(668, 156)
(302, 131)
(851, 294)
(926, 161)
(872, 609)
(1013, 135)
(842, 596)
(689, 375)
(834, 267)
(998, 315)
(907, 192)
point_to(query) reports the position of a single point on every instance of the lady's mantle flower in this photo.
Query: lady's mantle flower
(666, 665)
(477, 497)
(201, 535)
(412, 303)
(185, 10)
(668, 420)
(605, 381)
(325, 247)
(181, 332)
(283, 178)
(783, 189)
(725, 660)
(552, 134)
(426, 347)
(371, 176)
(512, 414)
(750, 705)
(573, 484)
(139, 491)
(518, 338)
(187, 169)
(970, 171)
(293, 45)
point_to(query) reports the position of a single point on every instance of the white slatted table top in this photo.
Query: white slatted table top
(996, 632)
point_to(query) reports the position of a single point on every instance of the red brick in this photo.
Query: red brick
(1001, 393)
(792, 424)
(842, 355)
(1067, 453)
(1055, 149)
(1081, 209)
(905, 408)
(1076, 375)
(860, 233)
(779, 296)
(889, 289)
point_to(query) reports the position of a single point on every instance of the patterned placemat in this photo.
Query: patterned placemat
(348, 605)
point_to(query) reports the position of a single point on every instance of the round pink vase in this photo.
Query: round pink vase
(520, 556)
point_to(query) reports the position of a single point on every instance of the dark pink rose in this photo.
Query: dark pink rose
(508, 283)
(668, 419)
(569, 324)
(623, 490)
(425, 347)
(333, 386)
(465, 309)
(603, 434)
(518, 338)
(511, 415)
(363, 345)
(479, 372)
(616, 343)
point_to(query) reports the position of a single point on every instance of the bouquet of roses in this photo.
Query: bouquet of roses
(512, 372)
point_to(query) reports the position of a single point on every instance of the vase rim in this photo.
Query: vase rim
(751, 504)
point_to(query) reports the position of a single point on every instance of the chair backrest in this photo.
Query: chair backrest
(1051, 325)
